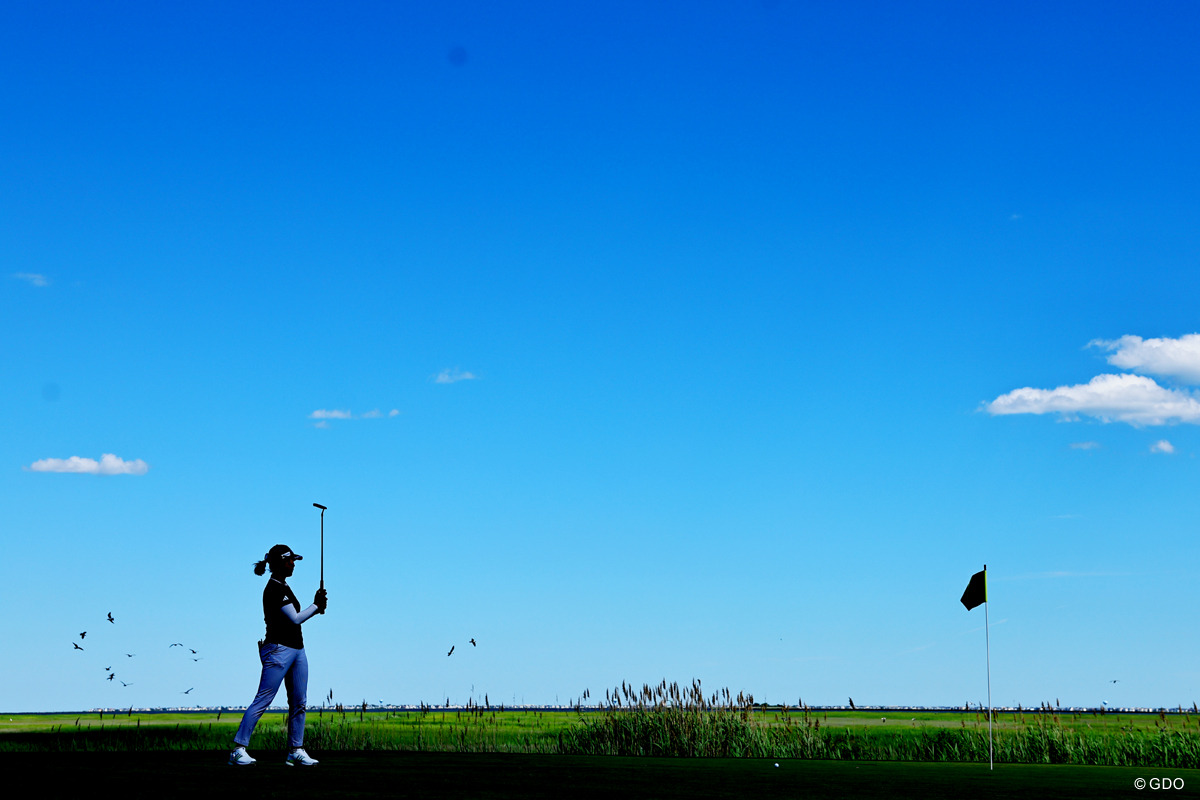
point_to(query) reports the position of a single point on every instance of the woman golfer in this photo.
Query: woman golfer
(282, 654)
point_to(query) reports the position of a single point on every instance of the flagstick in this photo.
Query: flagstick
(988, 639)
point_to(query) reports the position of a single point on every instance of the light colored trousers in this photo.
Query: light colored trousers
(286, 665)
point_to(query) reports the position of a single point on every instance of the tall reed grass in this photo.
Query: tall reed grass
(670, 721)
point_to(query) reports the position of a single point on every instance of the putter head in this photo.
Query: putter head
(318, 505)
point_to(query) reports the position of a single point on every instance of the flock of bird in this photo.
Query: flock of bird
(452, 648)
(112, 675)
(196, 656)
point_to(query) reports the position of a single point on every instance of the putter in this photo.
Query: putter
(318, 505)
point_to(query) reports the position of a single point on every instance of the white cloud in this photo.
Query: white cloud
(108, 464)
(1085, 445)
(32, 278)
(1175, 358)
(1134, 399)
(322, 413)
(454, 376)
(1162, 446)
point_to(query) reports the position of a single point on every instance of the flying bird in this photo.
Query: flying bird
(1116, 681)
(131, 655)
(198, 659)
(106, 669)
(175, 644)
(451, 649)
(851, 699)
(188, 691)
(110, 617)
(112, 675)
(193, 651)
(77, 647)
(473, 643)
(82, 634)
(123, 683)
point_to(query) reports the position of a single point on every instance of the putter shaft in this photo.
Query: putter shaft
(318, 505)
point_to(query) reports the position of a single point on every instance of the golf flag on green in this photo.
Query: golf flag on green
(976, 593)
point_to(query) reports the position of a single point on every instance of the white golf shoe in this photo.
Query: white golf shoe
(240, 758)
(298, 756)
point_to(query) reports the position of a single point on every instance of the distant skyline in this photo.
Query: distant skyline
(717, 341)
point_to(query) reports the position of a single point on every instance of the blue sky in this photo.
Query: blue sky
(714, 340)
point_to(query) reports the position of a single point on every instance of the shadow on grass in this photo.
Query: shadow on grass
(496, 775)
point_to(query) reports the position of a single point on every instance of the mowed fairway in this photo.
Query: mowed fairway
(514, 775)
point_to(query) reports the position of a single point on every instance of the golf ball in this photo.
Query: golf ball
(777, 765)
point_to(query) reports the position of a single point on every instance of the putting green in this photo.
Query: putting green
(489, 775)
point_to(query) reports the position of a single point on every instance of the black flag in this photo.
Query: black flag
(976, 593)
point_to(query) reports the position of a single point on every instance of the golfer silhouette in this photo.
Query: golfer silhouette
(282, 654)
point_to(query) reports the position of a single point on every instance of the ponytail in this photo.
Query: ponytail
(273, 559)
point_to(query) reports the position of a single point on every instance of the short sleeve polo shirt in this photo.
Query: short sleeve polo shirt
(280, 629)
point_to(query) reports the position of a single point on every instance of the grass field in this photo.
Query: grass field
(1037, 737)
(682, 748)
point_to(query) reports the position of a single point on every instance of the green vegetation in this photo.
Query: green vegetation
(667, 721)
(463, 731)
(657, 721)
(720, 733)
